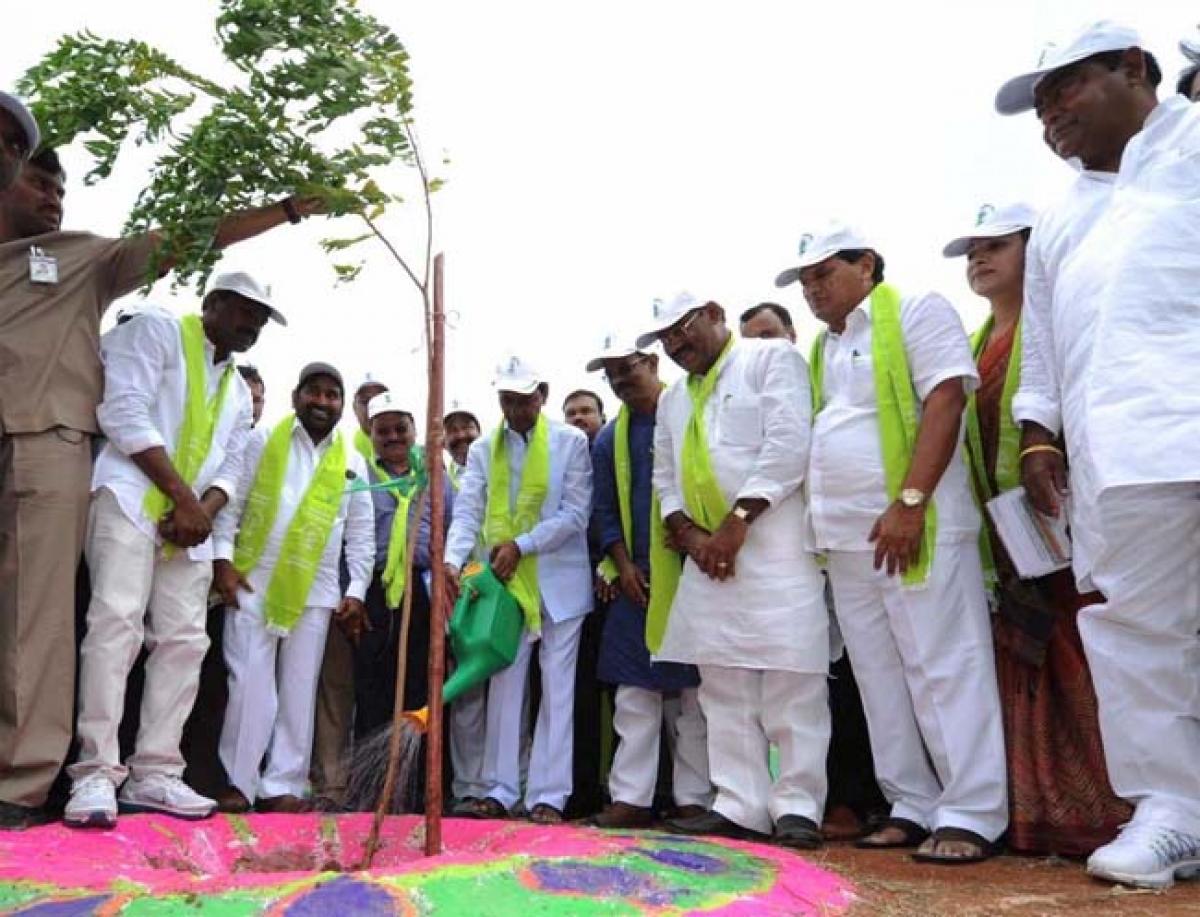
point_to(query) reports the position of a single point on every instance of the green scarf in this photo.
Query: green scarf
(307, 533)
(395, 571)
(364, 446)
(665, 564)
(897, 405)
(504, 523)
(1008, 449)
(702, 494)
(200, 415)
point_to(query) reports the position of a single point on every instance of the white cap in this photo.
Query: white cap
(1016, 95)
(24, 117)
(382, 404)
(1191, 49)
(245, 285)
(371, 378)
(612, 347)
(516, 375)
(991, 223)
(835, 236)
(665, 313)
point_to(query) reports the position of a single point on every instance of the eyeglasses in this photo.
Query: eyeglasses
(624, 368)
(681, 328)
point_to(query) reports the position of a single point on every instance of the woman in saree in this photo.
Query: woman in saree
(1059, 793)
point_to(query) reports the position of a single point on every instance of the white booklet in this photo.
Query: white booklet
(1036, 544)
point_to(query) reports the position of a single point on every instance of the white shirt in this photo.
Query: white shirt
(559, 540)
(847, 485)
(1115, 323)
(354, 524)
(771, 614)
(145, 393)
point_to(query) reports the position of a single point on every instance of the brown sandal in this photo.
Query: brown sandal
(984, 849)
(488, 808)
(913, 835)
(545, 814)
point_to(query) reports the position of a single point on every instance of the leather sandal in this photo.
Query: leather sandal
(913, 835)
(545, 814)
(984, 849)
(488, 808)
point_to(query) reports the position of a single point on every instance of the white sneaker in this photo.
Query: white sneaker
(164, 793)
(1147, 856)
(93, 803)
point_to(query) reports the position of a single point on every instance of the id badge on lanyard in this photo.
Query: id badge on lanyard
(43, 268)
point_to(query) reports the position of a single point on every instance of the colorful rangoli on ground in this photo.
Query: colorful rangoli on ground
(307, 866)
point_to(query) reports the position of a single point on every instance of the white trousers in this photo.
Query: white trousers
(748, 710)
(925, 667)
(468, 723)
(137, 596)
(272, 698)
(638, 720)
(1143, 649)
(549, 778)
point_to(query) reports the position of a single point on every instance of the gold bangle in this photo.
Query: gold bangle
(1040, 447)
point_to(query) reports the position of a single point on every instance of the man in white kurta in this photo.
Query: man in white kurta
(922, 652)
(559, 542)
(273, 678)
(1112, 360)
(150, 577)
(750, 609)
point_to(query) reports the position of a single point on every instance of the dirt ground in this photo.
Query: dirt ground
(892, 885)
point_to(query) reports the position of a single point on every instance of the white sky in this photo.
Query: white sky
(603, 154)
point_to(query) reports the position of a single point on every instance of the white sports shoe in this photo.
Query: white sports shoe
(93, 803)
(164, 793)
(1147, 856)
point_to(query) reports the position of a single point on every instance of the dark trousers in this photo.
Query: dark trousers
(588, 793)
(849, 766)
(202, 731)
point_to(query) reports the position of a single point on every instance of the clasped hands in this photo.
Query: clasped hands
(715, 553)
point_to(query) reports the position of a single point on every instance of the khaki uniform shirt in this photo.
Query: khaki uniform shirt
(50, 370)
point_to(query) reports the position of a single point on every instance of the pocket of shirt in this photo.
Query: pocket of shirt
(740, 421)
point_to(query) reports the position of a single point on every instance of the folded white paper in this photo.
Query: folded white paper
(1036, 544)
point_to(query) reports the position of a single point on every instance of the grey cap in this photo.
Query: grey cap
(24, 117)
(321, 369)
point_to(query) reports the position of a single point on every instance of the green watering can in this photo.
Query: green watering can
(485, 634)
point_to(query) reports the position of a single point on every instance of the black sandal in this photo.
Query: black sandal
(488, 808)
(914, 835)
(986, 849)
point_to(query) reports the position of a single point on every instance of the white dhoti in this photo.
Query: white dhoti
(638, 720)
(926, 670)
(272, 698)
(137, 596)
(1143, 649)
(549, 779)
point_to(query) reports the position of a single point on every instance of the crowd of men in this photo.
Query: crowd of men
(769, 584)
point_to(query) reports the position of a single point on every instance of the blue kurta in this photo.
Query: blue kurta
(624, 657)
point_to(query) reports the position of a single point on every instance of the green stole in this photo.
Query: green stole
(1008, 471)
(307, 533)
(395, 571)
(502, 522)
(665, 564)
(364, 446)
(897, 404)
(200, 415)
(702, 495)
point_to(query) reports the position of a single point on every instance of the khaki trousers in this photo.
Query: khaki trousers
(44, 482)
(137, 596)
(335, 716)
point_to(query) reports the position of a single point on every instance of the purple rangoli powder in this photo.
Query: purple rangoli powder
(686, 859)
(600, 881)
(345, 897)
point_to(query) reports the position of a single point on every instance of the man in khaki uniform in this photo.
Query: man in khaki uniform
(54, 287)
